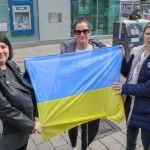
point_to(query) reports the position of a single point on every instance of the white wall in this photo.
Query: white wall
(54, 31)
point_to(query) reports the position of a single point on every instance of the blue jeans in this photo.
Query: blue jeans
(132, 133)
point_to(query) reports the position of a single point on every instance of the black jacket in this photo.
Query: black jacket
(16, 108)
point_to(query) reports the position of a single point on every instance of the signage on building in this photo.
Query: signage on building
(54, 17)
(21, 17)
(20, 0)
(83, 6)
(3, 26)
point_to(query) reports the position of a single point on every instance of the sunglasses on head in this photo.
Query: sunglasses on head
(85, 31)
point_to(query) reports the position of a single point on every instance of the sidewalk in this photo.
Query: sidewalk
(115, 141)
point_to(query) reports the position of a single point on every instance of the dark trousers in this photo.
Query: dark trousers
(89, 131)
(132, 133)
(23, 147)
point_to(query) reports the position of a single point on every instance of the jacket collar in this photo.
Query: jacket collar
(2, 73)
(11, 65)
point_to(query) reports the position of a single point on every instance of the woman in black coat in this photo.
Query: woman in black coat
(16, 102)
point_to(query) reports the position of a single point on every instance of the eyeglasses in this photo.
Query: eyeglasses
(85, 31)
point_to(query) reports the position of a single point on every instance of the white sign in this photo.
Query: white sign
(135, 31)
(3, 26)
(133, 40)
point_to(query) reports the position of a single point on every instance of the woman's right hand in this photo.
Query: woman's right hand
(38, 127)
(117, 87)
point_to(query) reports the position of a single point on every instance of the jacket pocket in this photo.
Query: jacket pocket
(143, 106)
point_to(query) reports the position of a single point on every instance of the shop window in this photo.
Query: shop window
(99, 13)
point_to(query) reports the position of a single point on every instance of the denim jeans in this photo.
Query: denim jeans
(132, 133)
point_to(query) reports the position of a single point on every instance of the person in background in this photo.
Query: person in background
(82, 42)
(137, 90)
(135, 14)
(16, 102)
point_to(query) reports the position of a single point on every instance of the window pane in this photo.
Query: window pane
(100, 13)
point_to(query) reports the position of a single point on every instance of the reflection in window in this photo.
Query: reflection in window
(99, 13)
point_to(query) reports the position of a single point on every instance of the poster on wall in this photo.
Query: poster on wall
(83, 6)
(3, 27)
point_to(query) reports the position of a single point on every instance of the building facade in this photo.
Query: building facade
(44, 20)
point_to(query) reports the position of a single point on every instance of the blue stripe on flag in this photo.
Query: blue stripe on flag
(62, 75)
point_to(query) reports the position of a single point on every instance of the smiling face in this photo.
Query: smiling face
(84, 36)
(4, 54)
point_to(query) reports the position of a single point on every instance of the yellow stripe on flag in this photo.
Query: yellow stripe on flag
(78, 109)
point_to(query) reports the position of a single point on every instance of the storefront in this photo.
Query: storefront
(100, 13)
(33, 20)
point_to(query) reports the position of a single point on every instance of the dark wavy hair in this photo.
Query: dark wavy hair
(81, 20)
(5, 40)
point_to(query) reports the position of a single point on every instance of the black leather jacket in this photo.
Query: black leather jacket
(16, 108)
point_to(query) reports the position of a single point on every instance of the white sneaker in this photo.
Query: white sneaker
(73, 148)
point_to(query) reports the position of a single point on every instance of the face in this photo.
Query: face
(82, 37)
(4, 54)
(138, 7)
(147, 37)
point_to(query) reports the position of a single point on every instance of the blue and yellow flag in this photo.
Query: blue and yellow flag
(75, 88)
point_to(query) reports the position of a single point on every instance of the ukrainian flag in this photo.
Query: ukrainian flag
(75, 88)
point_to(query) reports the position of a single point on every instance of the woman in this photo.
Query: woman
(137, 89)
(16, 107)
(82, 42)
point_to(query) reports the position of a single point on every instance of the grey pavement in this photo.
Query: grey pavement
(114, 141)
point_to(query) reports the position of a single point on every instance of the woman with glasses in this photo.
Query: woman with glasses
(82, 42)
(137, 91)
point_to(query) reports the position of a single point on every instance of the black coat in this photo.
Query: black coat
(16, 108)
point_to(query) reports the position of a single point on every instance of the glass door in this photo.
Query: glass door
(100, 13)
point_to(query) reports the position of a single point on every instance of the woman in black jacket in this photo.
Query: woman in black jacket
(16, 102)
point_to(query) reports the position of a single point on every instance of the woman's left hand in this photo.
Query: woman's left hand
(118, 87)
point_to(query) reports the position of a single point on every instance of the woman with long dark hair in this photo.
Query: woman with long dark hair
(82, 41)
